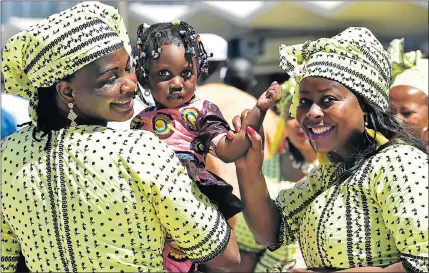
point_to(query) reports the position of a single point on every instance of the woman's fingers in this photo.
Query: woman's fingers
(244, 114)
(255, 138)
(237, 120)
(262, 135)
(230, 135)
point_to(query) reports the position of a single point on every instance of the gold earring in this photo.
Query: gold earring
(72, 115)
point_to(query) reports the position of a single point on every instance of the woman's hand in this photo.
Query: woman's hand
(254, 156)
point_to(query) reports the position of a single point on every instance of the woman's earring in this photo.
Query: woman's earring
(365, 117)
(72, 115)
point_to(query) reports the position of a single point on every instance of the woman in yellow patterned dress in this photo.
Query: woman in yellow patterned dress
(78, 196)
(365, 207)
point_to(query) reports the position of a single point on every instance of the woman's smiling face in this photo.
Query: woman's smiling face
(330, 115)
(105, 88)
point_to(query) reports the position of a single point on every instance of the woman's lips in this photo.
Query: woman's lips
(320, 132)
(124, 104)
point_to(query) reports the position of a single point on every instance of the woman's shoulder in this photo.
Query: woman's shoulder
(399, 153)
(18, 137)
(125, 134)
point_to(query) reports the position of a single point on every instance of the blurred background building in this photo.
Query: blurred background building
(254, 29)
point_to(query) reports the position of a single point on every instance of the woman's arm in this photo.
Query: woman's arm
(260, 213)
(230, 150)
(248, 262)
(228, 259)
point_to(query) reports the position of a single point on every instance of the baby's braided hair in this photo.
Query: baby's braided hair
(150, 40)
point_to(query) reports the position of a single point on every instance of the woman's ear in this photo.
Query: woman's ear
(65, 91)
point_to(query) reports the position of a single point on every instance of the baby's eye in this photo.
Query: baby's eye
(187, 74)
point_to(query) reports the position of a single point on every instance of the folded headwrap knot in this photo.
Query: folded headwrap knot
(60, 45)
(409, 68)
(354, 58)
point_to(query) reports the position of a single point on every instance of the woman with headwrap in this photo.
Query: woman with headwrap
(281, 171)
(409, 87)
(77, 196)
(365, 207)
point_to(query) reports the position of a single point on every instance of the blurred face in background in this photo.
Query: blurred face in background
(294, 132)
(410, 105)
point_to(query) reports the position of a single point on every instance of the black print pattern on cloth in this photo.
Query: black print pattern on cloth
(354, 58)
(377, 217)
(101, 200)
(60, 45)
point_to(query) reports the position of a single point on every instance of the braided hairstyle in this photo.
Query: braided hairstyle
(150, 40)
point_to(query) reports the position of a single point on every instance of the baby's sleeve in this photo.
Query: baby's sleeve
(187, 215)
(138, 122)
(212, 126)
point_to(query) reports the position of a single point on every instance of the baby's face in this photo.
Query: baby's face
(173, 76)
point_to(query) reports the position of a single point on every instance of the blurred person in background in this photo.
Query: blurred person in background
(239, 73)
(16, 106)
(230, 101)
(281, 171)
(409, 89)
(8, 126)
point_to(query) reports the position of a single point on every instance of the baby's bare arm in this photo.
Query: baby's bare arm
(231, 150)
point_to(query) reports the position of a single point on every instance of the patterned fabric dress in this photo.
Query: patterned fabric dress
(98, 199)
(192, 130)
(377, 217)
(246, 241)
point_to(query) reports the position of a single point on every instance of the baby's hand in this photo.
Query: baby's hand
(270, 97)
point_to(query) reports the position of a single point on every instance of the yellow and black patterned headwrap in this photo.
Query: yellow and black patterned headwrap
(60, 45)
(354, 58)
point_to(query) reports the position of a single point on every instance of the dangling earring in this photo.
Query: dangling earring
(72, 115)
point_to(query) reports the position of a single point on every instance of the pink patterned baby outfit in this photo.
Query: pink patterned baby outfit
(193, 130)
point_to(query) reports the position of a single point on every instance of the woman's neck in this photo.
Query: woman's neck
(308, 154)
(346, 153)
